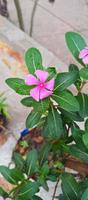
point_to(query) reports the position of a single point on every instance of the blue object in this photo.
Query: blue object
(24, 132)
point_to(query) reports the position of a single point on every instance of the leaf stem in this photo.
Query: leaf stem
(55, 189)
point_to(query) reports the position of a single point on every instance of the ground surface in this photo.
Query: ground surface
(52, 21)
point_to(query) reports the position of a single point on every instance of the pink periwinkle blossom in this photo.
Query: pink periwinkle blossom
(84, 55)
(42, 88)
(1, 198)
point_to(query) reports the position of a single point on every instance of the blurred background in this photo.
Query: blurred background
(46, 21)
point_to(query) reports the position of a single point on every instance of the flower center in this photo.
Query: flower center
(41, 85)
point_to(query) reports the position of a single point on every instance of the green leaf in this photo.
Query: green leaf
(77, 135)
(18, 85)
(52, 72)
(83, 102)
(40, 106)
(69, 186)
(33, 119)
(33, 60)
(31, 162)
(79, 153)
(3, 193)
(55, 124)
(36, 198)
(75, 43)
(27, 190)
(18, 160)
(86, 125)
(44, 153)
(85, 139)
(84, 73)
(73, 68)
(71, 116)
(67, 101)
(85, 195)
(65, 79)
(13, 176)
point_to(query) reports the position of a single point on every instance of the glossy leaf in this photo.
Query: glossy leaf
(31, 161)
(85, 195)
(27, 190)
(75, 43)
(69, 186)
(33, 119)
(33, 60)
(84, 73)
(86, 124)
(79, 153)
(83, 102)
(55, 124)
(71, 116)
(18, 160)
(64, 80)
(13, 176)
(40, 106)
(85, 139)
(52, 72)
(66, 101)
(18, 85)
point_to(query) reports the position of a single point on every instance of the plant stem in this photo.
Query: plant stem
(19, 14)
(55, 189)
(32, 18)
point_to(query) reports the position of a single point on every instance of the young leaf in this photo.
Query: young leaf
(83, 102)
(84, 73)
(55, 125)
(64, 80)
(69, 186)
(31, 162)
(67, 101)
(33, 119)
(33, 60)
(75, 43)
(18, 85)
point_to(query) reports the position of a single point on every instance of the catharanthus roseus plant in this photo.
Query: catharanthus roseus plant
(56, 141)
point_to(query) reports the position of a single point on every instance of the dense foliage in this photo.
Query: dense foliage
(57, 117)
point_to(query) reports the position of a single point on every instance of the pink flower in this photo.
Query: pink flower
(1, 198)
(42, 88)
(84, 55)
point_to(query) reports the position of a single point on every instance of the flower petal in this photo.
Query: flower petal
(1, 198)
(35, 93)
(50, 85)
(45, 93)
(7, 199)
(31, 80)
(41, 75)
(83, 52)
(85, 60)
